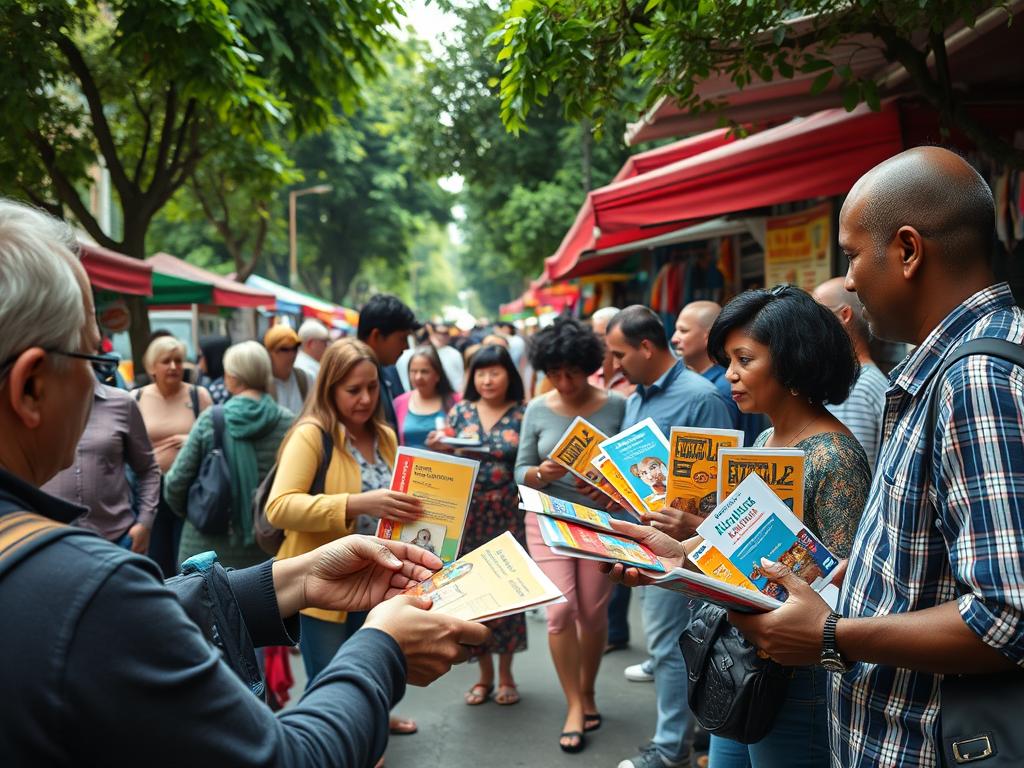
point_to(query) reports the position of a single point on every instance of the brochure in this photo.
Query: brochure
(753, 523)
(495, 580)
(630, 501)
(576, 450)
(444, 485)
(641, 454)
(566, 538)
(693, 467)
(781, 468)
(532, 500)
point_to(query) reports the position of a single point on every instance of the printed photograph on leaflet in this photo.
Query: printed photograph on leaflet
(640, 453)
(781, 468)
(532, 500)
(693, 467)
(495, 580)
(754, 523)
(629, 500)
(444, 486)
(576, 450)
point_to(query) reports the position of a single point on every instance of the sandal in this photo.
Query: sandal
(478, 694)
(402, 726)
(507, 695)
(591, 722)
(572, 749)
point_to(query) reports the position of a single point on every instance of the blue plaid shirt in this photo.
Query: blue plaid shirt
(919, 537)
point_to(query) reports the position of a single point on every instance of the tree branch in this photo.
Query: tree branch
(160, 172)
(146, 115)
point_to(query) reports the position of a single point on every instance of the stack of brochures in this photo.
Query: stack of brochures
(495, 580)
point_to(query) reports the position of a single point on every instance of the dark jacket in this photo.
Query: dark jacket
(103, 667)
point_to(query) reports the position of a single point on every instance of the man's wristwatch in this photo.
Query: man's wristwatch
(831, 659)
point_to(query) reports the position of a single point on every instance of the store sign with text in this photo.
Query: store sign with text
(798, 248)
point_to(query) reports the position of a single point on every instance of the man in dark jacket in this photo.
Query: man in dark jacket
(385, 323)
(103, 666)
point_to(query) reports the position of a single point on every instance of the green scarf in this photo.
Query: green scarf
(246, 421)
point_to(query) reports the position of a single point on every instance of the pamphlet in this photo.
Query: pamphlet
(781, 468)
(576, 450)
(495, 580)
(567, 538)
(754, 523)
(693, 467)
(630, 501)
(532, 500)
(444, 485)
(641, 454)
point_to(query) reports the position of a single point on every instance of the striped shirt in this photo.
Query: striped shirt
(861, 412)
(919, 537)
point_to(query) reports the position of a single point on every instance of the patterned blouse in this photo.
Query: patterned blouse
(374, 476)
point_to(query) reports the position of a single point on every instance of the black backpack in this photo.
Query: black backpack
(209, 496)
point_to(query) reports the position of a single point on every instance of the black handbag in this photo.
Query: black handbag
(733, 691)
(209, 496)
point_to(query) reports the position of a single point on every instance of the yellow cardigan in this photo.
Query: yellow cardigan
(309, 521)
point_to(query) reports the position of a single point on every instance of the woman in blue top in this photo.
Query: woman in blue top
(431, 397)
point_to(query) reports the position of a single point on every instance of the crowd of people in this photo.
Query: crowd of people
(931, 523)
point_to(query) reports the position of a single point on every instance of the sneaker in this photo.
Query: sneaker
(640, 673)
(649, 757)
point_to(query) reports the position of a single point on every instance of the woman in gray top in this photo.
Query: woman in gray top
(568, 352)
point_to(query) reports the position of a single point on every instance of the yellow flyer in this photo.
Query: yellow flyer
(710, 560)
(781, 468)
(693, 467)
(497, 579)
(444, 485)
(610, 472)
(576, 450)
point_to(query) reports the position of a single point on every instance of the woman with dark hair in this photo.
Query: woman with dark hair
(567, 353)
(492, 410)
(211, 366)
(430, 398)
(787, 357)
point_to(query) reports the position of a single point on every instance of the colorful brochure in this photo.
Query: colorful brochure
(444, 485)
(781, 468)
(629, 500)
(532, 500)
(641, 454)
(754, 523)
(693, 467)
(576, 450)
(495, 580)
(566, 538)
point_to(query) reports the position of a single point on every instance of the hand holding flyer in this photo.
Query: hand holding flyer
(576, 450)
(532, 500)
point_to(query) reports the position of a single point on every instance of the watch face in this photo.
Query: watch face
(833, 662)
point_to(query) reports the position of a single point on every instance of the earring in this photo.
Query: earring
(793, 392)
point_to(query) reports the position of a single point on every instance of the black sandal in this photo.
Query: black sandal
(591, 722)
(572, 749)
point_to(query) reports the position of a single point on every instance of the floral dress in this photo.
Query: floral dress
(495, 505)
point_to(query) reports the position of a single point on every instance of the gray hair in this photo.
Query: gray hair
(41, 301)
(159, 347)
(604, 314)
(249, 362)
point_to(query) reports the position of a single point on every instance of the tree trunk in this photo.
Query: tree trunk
(134, 245)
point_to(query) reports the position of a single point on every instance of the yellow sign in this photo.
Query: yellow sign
(693, 467)
(798, 248)
(781, 468)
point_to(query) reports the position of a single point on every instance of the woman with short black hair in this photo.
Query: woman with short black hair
(567, 352)
(787, 357)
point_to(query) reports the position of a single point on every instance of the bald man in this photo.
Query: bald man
(861, 412)
(690, 341)
(918, 231)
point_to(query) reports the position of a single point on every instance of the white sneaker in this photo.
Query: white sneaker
(640, 673)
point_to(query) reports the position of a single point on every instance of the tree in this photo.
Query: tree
(151, 88)
(587, 51)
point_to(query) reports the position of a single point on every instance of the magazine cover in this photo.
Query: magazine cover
(532, 500)
(627, 496)
(693, 467)
(576, 449)
(566, 538)
(753, 523)
(495, 580)
(781, 468)
(641, 454)
(444, 485)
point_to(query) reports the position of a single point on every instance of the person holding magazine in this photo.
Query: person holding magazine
(346, 404)
(567, 352)
(430, 398)
(788, 357)
(492, 411)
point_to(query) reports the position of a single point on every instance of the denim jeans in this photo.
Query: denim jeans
(319, 641)
(618, 616)
(666, 615)
(799, 737)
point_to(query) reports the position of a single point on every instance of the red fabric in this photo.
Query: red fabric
(652, 159)
(112, 271)
(226, 292)
(278, 671)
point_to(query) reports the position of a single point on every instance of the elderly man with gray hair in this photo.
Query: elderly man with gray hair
(314, 337)
(105, 665)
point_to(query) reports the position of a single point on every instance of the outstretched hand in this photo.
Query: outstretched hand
(671, 553)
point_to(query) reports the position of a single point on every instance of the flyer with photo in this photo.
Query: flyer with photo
(566, 538)
(781, 468)
(576, 450)
(641, 454)
(532, 500)
(629, 500)
(444, 485)
(754, 523)
(495, 580)
(693, 467)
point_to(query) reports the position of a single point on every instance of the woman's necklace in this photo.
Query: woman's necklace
(792, 440)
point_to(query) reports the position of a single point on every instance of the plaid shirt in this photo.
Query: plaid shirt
(919, 538)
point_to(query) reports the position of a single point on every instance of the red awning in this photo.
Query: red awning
(652, 159)
(112, 271)
(226, 292)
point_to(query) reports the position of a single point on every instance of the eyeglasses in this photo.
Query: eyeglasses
(104, 365)
(779, 289)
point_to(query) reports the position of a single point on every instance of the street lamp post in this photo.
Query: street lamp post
(293, 246)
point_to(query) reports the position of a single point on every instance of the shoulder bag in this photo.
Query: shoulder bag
(209, 496)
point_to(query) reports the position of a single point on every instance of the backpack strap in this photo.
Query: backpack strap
(217, 415)
(22, 533)
(303, 382)
(137, 394)
(320, 479)
(194, 395)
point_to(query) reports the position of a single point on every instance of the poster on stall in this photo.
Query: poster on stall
(798, 248)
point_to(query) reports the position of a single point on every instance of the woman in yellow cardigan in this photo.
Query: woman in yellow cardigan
(347, 405)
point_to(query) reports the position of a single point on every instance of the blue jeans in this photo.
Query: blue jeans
(618, 616)
(319, 641)
(666, 615)
(799, 737)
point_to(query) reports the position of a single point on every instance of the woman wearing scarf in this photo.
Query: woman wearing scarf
(254, 425)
